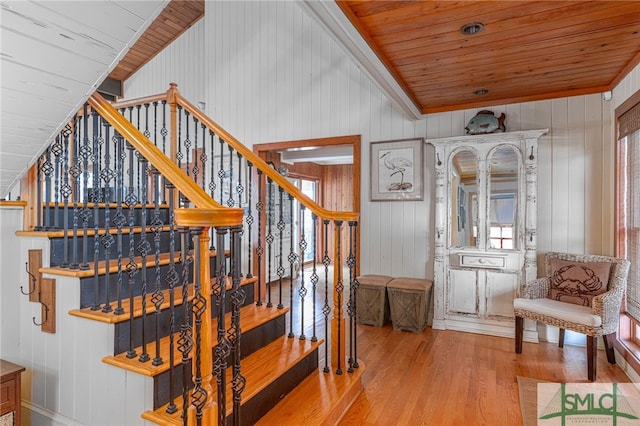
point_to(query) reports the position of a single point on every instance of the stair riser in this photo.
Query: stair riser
(57, 247)
(87, 284)
(137, 216)
(251, 341)
(123, 330)
(259, 405)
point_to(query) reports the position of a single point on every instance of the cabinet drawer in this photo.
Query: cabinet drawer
(481, 261)
(7, 396)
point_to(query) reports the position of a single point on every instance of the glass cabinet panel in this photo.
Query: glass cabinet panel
(464, 186)
(504, 181)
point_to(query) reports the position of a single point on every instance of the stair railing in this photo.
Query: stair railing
(175, 155)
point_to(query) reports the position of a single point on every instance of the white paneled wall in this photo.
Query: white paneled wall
(270, 73)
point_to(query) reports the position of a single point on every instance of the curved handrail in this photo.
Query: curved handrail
(262, 165)
(225, 216)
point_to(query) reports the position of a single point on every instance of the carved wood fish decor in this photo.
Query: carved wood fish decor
(485, 122)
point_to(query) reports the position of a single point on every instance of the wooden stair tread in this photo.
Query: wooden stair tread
(251, 316)
(90, 232)
(260, 369)
(321, 399)
(164, 259)
(111, 318)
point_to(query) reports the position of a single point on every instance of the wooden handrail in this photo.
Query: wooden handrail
(263, 166)
(225, 216)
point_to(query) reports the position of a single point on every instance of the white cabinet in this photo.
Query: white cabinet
(485, 228)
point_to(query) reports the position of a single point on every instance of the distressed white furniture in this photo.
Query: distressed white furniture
(575, 307)
(484, 183)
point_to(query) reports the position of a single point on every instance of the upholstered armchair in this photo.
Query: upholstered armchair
(581, 293)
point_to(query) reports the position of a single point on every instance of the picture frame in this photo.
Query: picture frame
(397, 172)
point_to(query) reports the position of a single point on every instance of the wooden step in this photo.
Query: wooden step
(261, 370)
(321, 399)
(90, 232)
(251, 316)
(164, 259)
(111, 318)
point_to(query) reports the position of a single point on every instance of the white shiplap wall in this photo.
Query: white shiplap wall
(271, 74)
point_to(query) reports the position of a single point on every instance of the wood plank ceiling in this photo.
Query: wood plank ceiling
(175, 19)
(527, 50)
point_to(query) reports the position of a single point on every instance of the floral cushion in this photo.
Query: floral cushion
(578, 282)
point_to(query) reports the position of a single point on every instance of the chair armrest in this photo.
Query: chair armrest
(536, 289)
(607, 306)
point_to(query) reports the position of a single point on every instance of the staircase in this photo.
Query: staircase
(165, 225)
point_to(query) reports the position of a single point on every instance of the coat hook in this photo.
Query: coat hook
(531, 157)
(438, 158)
(46, 316)
(32, 283)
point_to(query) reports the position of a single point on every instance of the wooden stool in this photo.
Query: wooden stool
(371, 300)
(409, 300)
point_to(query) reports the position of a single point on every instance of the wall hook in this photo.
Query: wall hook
(531, 156)
(32, 282)
(46, 316)
(438, 162)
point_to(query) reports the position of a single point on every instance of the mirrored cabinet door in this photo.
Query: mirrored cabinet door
(485, 203)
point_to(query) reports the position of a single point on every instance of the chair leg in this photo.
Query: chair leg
(519, 333)
(608, 346)
(561, 338)
(592, 357)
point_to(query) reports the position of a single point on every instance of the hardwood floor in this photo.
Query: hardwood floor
(451, 378)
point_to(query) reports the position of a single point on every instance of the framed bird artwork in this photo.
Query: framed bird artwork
(397, 170)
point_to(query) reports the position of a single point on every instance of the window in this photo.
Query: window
(628, 223)
(501, 236)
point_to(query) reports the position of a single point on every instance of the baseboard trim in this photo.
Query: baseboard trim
(45, 412)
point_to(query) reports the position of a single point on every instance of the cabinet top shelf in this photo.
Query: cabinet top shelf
(490, 137)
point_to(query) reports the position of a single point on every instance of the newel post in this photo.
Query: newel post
(172, 100)
(202, 406)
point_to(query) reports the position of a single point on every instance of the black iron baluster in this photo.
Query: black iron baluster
(185, 342)
(339, 286)
(132, 268)
(222, 347)
(56, 150)
(97, 136)
(326, 309)
(249, 221)
(235, 332)
(157, 298)
(303, 289)
(47, 169)
(143, 248)
(281, 226)
(163, 132)
(85, 213)
(74, 172)
(172, 280)
(187, 143)
(179, 153)
(239, 185)
(203, 155)
(119, 219)
(260, 248)
(107, 239)
(221, 172)
(314, 275)
(212, 183)
(195, 169)
(65, 191)
(353, 309)
(292, 258)
(269, 238)
(230, 200)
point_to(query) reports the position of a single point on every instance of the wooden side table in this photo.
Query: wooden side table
(10, 393)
